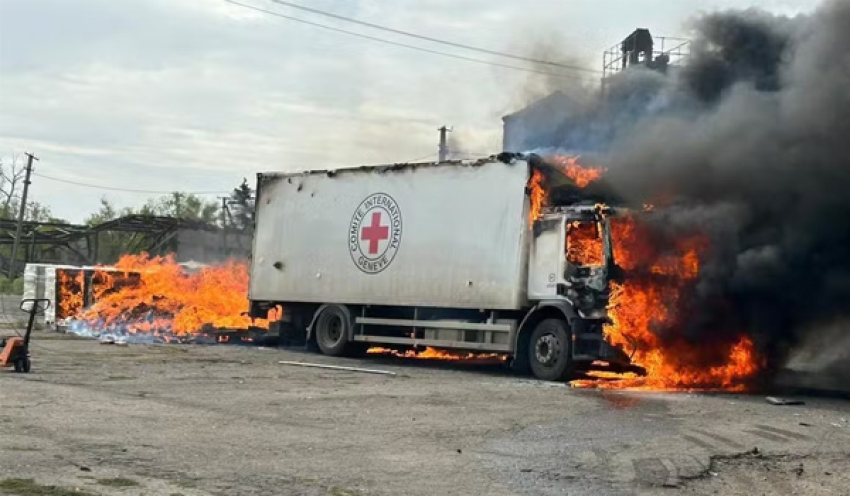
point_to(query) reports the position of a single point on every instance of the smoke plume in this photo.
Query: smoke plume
(749, 144)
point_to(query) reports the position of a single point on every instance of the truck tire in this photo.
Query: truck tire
(549, 350)
(332, 330)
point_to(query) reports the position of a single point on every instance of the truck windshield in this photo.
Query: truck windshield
(584, 244)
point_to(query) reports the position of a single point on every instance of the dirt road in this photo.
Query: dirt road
(193, 420)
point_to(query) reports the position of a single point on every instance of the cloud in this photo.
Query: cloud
(196, 94)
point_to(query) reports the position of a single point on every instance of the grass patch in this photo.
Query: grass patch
(22, 449)
(186, 484)
(118, 482)
(29, 487)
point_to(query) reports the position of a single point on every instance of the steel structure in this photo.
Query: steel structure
(149, 233)
(641, 48)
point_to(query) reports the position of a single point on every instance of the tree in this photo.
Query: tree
(36, 212)
(11, 178)
(242, 207)
(110, 245)
(107, 212)
(182, 205)
(12, 175)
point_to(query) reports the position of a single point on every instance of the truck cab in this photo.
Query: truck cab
(571, 262)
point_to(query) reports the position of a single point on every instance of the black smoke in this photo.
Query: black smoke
(750, 144)
(763, 167)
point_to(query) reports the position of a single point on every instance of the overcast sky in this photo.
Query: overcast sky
(194, 95)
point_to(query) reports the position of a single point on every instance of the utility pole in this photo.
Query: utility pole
(23, 211)
(444, 147)
(224, 202)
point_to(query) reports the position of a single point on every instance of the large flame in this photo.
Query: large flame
(648, 309)
(584, 244)
(570, 167)
(579, 174)
(69, 283)
(166, 299)
(536, 195)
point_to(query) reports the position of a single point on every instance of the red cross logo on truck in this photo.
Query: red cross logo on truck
(374, 234)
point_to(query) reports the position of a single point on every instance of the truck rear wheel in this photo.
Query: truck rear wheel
(332, 330)
(549, 350)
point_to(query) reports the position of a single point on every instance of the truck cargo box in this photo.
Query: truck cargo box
(440, 235)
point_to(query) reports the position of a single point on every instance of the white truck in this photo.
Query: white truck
(443, 255)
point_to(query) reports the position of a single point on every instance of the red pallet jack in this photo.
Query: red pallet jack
(16, 350)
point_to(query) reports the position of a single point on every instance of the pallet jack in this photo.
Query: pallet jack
(16, 350)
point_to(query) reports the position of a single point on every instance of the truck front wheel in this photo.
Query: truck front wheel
(549, 350)
(332, 328)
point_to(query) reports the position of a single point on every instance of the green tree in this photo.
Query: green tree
(183, 206)
(242, 206)
(110, 245)
(107, 212)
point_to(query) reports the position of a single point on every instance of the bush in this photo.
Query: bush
(13, 287)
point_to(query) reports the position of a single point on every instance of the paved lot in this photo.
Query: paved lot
(10, 310)
(196, 420)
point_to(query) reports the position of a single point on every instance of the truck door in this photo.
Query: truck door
(546, 258)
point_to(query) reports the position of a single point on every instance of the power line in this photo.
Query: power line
(127, 190)
(411, 47)
(431, 39)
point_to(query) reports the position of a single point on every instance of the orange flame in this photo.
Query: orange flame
(168, 299)
(435, 354)
(536, 195)
(646, 312)
(584, 244)
(69, 289)
(580, 175)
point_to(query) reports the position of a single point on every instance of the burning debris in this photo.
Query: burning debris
(155, 299)
(435, 354)
(744, 156)
(581, 176)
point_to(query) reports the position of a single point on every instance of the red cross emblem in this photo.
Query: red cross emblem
(375, 233)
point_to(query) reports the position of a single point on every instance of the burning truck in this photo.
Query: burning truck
(455, 256)
(514, 255)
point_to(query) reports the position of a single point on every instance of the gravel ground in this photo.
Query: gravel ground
(194, 420)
